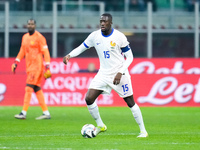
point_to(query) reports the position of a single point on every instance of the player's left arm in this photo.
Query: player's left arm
(129, 58)
(45, 51)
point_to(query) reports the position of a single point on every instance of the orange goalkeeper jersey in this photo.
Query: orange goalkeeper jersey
(33, 48)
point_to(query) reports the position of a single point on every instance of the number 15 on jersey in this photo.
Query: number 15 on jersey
(106, 54)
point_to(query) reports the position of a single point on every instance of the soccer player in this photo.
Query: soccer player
(111, 46)
(34, 48)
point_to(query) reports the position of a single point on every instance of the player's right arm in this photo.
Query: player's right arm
(77, 51)
(20, 55)
(80, 49)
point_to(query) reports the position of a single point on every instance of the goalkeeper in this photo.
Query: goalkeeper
(34, 48)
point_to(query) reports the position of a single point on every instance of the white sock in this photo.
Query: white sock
(46, 112)
(94, 111)
(138, 117)
(24, 112)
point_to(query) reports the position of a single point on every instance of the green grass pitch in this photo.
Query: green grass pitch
(169, 128)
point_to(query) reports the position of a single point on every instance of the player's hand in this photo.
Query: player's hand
(66, 59)
(47, 73)
(117, 78)
(14, 66)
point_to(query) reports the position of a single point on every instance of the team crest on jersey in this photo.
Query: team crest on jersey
(112, 45)
(32, 42)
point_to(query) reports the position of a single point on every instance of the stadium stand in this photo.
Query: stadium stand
(136, 19)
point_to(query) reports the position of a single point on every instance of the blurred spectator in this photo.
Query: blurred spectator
(114, 5)
(21, 5)
(142, 5)
(91, 68)
(190, 4)
(137, 4)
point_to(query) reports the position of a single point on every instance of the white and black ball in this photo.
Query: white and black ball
(87, 131)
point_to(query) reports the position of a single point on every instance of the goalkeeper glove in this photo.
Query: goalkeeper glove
(14, 66)
(47, 73)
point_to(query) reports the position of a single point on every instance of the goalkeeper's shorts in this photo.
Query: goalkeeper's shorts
(34, 78)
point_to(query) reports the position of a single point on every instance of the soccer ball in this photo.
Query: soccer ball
(87, 131)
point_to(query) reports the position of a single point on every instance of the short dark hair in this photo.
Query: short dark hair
(31, 20)
(108, 15)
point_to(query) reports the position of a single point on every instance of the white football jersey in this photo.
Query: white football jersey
(108, 49)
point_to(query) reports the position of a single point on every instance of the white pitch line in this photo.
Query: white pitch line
(66, 135)
(35, 148)
(167, 143)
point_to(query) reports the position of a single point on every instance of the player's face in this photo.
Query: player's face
(31, 25)
(105, 23)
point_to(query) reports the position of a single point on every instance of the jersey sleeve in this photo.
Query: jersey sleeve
(44, 49)
(124, 41)
(89, 40)
(21, 53)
